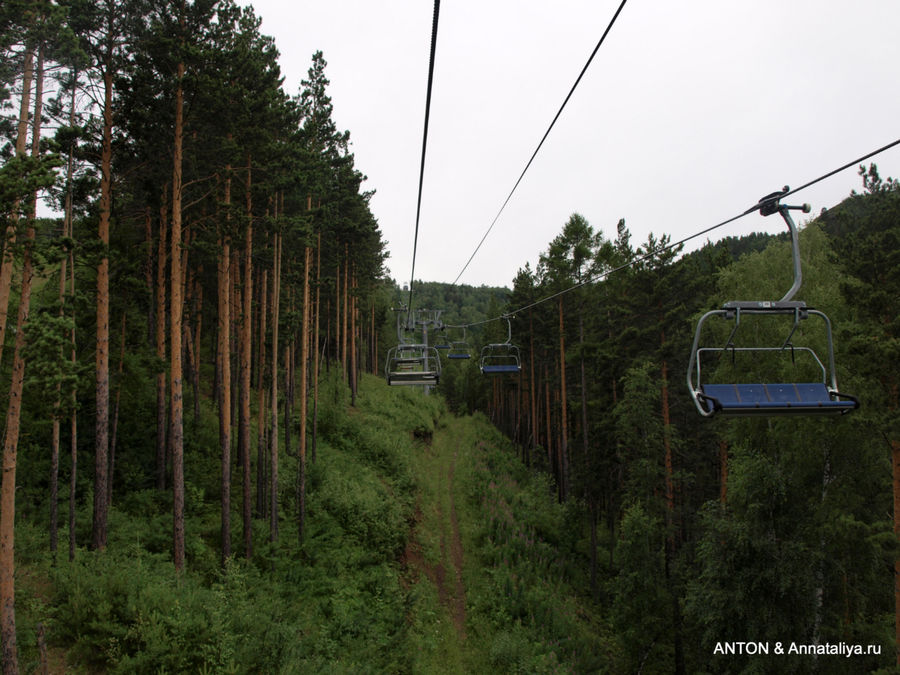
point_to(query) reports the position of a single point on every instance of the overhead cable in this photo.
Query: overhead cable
(662, 249)
(546, 133)
(434, 27)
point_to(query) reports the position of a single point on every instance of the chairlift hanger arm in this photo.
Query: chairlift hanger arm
(771, 204)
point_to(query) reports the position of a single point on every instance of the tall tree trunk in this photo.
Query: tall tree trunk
(304, 371)
(532, 388)
(246, 347)
(337, 314)
(223, 350)
(73, 398)
(63, 278)
(8, 488)
(585, 436)
(9, 651)
(315, 376)
(563, 421)
(197, 312)
(327, 346)
(289, 377)
(191, 363)
(261, 443)
(345, 308)
(372, 341)
(101, 454)
(234, 276)
(148, 271)
(375, 361)
(161, 415)
(54, 456)
(548, 421)
(353, 373)
(115, 419)
(273, 441)
(175, 377)
(224, 366)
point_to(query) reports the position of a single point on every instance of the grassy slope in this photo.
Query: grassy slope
(428, 548)
(497, 560)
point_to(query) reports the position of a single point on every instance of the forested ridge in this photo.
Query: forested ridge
(203, 469)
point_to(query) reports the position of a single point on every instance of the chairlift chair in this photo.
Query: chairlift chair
(819, 396)
(412, 364)
(443, 344)
(460, 349)
(501, 358)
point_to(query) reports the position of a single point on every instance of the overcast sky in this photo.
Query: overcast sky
(689, 113)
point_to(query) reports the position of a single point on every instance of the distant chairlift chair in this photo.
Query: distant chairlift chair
(820, 397)
(411, 363)
(460, 349)
(443, 343)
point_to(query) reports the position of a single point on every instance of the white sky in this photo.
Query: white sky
(689, 113)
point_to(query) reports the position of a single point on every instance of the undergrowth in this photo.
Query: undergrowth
(530, 593)
(334, 603)
(342, 600)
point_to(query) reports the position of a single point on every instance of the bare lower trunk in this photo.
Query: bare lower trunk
(8, 651)
(63, 278)
(304, 369)
(175, 377)
(224, 393)
(161, 416)
(8, 488)
(353, 373)
(101, 454)
(73, 420)
(273, 441)
(246, 351)
(315, 376)
(345, 311)
(261, 472)
(115, 420)
(564, 440)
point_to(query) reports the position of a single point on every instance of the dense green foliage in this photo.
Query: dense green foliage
(748, 529)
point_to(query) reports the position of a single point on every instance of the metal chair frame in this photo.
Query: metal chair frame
(820, 397)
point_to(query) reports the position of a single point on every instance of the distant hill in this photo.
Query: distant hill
(460, 303)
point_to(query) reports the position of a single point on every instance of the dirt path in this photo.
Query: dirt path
(434, 549)
(456, 550)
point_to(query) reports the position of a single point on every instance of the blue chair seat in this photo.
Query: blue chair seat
(803, 398)
(500, 368)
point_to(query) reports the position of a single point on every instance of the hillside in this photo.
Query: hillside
(428, 548)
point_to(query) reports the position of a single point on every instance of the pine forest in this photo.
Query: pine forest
(205, 469)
